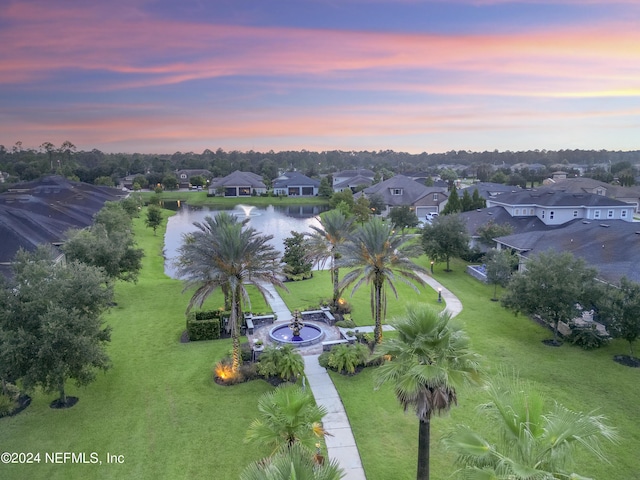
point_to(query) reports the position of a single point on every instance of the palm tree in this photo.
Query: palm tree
(429, 359)
(379, 257)
(288, 416)
(224, 254)
(323, 244)
(533, 443)
(294, 463)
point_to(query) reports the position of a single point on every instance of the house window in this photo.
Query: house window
(396, 191)
(244, 191)
(623, 214)
(609, 213)
(294, 191)
(600, 191)
(575, 214)
(543, 212)
(307, 190)
(517, 211)
(435, 197)
(551, 214)
(596, 214)
(531, 212)
(230, 192)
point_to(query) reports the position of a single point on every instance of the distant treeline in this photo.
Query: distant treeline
(21, 163)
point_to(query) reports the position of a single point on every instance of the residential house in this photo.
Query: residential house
(238, 184)
(347, 175)
(41, 211)
(629, 195)
(400, 191)
(489, 190)
(354, 183)
(612, 247)
(184, 176)
(558, 207)
(295, 184)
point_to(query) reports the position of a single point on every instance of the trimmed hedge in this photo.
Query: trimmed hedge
(204, 325)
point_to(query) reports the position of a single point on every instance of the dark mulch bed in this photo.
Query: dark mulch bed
(23, 402)
(71, 401)
(550, 342)
(627, 360)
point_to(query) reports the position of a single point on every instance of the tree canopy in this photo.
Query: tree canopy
(446, 237)
(552, 286)
(50, 322)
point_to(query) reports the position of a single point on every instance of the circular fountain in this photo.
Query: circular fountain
(296, 333)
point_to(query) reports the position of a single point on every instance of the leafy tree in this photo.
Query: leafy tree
(491, 230)
(446, 237)
(362, 209)
(453, 203)
(154, 217)
(132, 205)
(403, 217)
(346, 358)
(108, 244)
(198, 181)
(141, 180)
(500, 265)
(343, 196)
(324, 242)
(532, 442)
(449, 176)
(294, 463)
(551, 287)
(376, 204)
(499, 177)
(379, 258)
(170, 182)
(477, 201)
(224, 254)
(623, 318)
(430, 360)
(50, 322)
(105, 181)
(288, 416)
(298, 266)
(466, 203)
(325, 190)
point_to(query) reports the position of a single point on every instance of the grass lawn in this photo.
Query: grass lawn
(158, 406)
(581, 380)
(309, 293)
(201, 198)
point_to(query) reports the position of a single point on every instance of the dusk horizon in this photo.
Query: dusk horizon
(410, 76)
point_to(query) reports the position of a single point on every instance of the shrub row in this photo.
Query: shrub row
(205, 325)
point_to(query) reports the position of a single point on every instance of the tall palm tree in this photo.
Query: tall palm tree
(379, 257)
(289, 416)
(225, 254)
(324, 241)
(429, 360)
(533, 442)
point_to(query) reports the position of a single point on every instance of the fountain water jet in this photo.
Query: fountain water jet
(247, 209)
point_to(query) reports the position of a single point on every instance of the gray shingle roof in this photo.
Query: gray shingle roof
(612, 247)
(411, 191)
(551, 198)
(296, 179)
(239, 179)
(41, 211)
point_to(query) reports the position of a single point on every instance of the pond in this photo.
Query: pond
(278, 221)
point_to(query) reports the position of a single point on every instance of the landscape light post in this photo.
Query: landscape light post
(440, 295)
(432, 267)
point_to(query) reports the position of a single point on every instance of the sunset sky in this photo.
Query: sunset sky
(407, 75)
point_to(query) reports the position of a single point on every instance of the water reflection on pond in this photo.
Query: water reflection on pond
(277, 220)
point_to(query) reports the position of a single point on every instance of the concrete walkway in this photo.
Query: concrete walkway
(341, 445)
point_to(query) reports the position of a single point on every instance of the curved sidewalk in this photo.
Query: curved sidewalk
(341, 445)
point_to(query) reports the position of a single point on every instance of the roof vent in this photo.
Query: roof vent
(605, 225)
(585, 222)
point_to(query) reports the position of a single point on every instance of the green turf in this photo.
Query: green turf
(157, 406)
(581, 380)
(201, 198)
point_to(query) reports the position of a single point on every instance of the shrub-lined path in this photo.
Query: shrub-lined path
(341, 445)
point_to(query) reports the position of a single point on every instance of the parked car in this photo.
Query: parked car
(431, 217)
